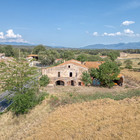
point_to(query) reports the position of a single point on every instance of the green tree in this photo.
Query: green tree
(21, 80)
(94, 73)
(106, 73)
(94, 58)
(68, 55)
(48, 57)
(8, 50)
(86, 78)
(15, 76)
(39, 48)
(82, 57)
(44, 80)
(128, 64)
(113, 56)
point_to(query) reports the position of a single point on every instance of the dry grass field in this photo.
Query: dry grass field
(135, 76)
(100, 119)
(135, 58)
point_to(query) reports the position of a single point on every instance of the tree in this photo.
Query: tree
(82, 57)
(106, 73)
(21, 80)
(94, 58)
(128, 64)
(94, 73)
(86, 78)
(113, 56)
(44, 81)
(8, 50)
(48, 57)
(16, 76)
(38, 49)
(68, 55)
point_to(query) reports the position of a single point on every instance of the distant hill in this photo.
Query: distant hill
(119, 46)
(15, 43)
(21, 45)
(134, 45)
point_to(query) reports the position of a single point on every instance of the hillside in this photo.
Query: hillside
(133, 45)
(99, 119)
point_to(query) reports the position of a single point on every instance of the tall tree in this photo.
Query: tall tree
(9, 51)
(106, 73)
(38, 49)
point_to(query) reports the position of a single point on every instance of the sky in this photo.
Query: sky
(70, 23)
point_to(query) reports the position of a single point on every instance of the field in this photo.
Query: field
(98, 119)
(135, 58)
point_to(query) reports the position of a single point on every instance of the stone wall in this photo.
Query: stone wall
(62, 73)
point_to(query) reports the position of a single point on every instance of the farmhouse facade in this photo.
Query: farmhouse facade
(67, 73)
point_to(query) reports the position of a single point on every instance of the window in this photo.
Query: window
(79, 83)
(58, 74)
(70, 74)
(68, 66)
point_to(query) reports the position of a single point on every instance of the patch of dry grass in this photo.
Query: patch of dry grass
(131, 74)
(99, 119)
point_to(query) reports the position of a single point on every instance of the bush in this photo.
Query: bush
(22, 103)
(106, 73)
(86, 78)
(119, 63)
(44, 81)
(139, 63)
(128, 66)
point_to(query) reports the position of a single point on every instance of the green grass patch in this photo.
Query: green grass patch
(70, 98)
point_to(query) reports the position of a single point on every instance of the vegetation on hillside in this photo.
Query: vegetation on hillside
(21, 80)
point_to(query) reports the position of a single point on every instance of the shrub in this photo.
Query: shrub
(86, 78)
(22, 103)
(128, 66)
(44, 80)
(119, 63)
(106, 73)
(139, 63)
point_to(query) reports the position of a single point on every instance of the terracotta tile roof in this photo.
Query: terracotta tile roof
(32, 55)
(91, 64)
(70, 62)
(75, 63)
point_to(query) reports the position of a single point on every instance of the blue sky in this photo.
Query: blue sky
(70, 23)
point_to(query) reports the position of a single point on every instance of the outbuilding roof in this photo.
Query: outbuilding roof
(91, 64)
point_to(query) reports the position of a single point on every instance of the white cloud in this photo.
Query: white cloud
(128, 31)
(126, 23)
(112, 34)
(95, 34)
(10, 36)
(1, 35)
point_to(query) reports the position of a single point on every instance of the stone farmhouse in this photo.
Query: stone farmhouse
(69, 72)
